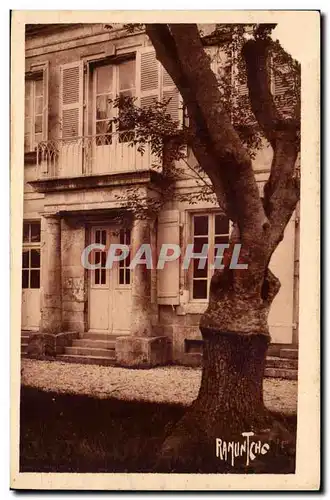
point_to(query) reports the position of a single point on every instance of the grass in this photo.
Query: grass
(75, 433)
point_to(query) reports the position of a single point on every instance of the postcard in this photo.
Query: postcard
(165, 250)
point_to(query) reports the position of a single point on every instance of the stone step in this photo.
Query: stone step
(88, 351)
(278, 362)
(97, 336)
(86, 360)
(289, 353)
(102, 344)
(286, 373)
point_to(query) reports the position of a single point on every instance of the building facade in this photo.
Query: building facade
(77, 170)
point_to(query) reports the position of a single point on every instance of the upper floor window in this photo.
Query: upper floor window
(111, 81)
(207, 229)
(34, 105)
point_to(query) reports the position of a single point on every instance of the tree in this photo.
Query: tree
(234, 326)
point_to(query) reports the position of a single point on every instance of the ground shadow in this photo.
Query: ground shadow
(74, 433)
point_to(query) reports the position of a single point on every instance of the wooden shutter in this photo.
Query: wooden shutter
(71, 99)
(148, 77)
(283, 88)
(168, 278)
(282, 264)
(46, 100)
(170, 93)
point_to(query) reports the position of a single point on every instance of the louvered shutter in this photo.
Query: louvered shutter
(171, 95)
(168, 284)
(45, 75)
(148, 79)
(283, 89)
(280, 317)
(71, 97)
(71, 112)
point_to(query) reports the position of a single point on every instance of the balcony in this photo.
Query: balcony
(93, 156)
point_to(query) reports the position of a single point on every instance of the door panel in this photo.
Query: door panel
(30, 309)
(109, 289)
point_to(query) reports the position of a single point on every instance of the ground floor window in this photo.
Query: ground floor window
(31, 255)
(210, 229)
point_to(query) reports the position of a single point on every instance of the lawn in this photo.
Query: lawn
(79, 433)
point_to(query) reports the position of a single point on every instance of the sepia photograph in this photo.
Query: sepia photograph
(159, 246)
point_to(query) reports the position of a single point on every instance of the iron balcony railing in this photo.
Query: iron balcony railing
(93, 155)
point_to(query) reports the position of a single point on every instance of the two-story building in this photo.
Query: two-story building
(77, 169)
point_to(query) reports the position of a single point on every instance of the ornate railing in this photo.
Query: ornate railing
(93, 155)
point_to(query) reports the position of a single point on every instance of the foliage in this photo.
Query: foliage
(170, 143)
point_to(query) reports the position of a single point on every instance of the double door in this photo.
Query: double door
(110, 288)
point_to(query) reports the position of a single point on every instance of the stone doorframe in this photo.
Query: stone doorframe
(64, 288)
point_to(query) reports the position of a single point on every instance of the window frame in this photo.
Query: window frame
(28, 246)
(211, 214)
(37, 72)
(116, 91)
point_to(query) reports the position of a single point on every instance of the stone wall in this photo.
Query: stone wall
(74, 284)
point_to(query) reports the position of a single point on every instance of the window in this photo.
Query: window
(110, 81)
(207, 229)
(100, 257)
(31, 255)
(124, 271)
(34, 113)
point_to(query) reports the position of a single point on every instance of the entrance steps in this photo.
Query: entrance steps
(91, 348)
(281, 361)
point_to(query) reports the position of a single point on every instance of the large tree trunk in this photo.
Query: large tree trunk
(230, 399)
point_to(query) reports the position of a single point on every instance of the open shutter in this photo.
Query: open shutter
(71, 98)
(45, 101)
(168, 278)
(283, 86)
(282, 264)
(170, 94)
(148, 77)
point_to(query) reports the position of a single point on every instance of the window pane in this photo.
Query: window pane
(103, 79)
(39, 87)
(35, 231)
(200, 289)
(97, 277)
(122, 276)
(103, 129)
(103, 276)
(103, 107)
(221, 239)
(35, 258)
(200, 273)
(127, 75)
(103, 259)
(25, 259)
(97, 257)
(37, 139)
(38, 124)
(97, 236)
(38, 105)
(201, 225)
(128, 276)
(25, 279)
(35, 279)
(199, 243)
(221, 225)
(104, 237)
(26, 232)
